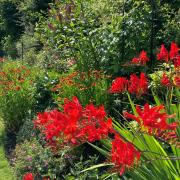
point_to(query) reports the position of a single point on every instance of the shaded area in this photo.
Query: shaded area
(5, 171)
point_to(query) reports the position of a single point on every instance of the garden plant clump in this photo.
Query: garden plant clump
(89, 90)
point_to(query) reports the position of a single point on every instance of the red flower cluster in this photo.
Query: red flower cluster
(77, 79)
(165, 81)
(163, 54)
(142, 59)
(119, 85)
(177, 62)
(123, 155)
(14, 78)
(135, 85)
(173, 55)
(28, 176)
(177, 81)
(170, 81)
(75, 125)
(152, 118)
(173, 51)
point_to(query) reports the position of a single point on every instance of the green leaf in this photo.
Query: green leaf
(132, 104)
(96, 166)
(102, 151)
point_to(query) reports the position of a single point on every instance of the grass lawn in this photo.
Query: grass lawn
(5, 170)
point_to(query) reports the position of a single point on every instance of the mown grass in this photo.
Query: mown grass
(5, 169)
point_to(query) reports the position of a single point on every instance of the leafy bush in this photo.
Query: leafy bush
(26, 131)
(17, 94)
(28, 49)
(44, 98)
(76, 171)
(9, 46)
(31, 156)
(106, 34)
(88, 86)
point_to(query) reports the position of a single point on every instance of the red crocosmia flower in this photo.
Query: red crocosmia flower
(74, 125)
(52, 123)
(73, 108)
(163, 54)
(119, 85)
(137, 85)
(177, 81)
(143, 83)
(28, 176)
(134, 84)
(143, 57)
(123, 155)
(177, 62)
(165, 81)
(173, 51)
(94, 127)
(135, 60)
(152, 118)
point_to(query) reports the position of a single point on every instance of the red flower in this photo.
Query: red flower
(135, 60)
(177, 62)
(137, 85)
(28, 176)
(173, 51)
(177, 81)
(74, 125)
(142, 59)
(151, 118)
(72, 108)
(119, 85)
(163, 54)
(123, 155)
(94, 127)
(165, 81)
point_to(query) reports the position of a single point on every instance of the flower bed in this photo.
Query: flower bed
(142, 143)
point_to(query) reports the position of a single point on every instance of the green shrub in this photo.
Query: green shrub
(30, 156)
(44, 98)
(88, 87)
(106, 34)
(42, 161)
(17, 94)
(9, 47)
(26, 131)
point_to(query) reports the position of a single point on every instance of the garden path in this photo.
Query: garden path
(5, 170)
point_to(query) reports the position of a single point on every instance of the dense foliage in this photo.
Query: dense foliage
(90, 89)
